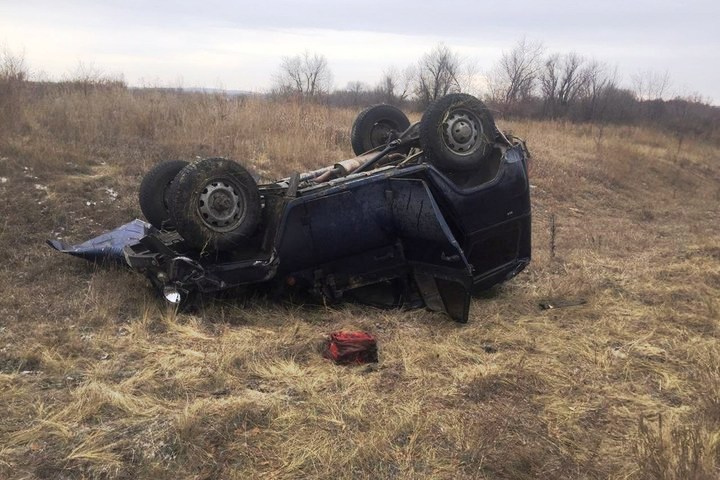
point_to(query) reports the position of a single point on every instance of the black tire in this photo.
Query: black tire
(154, 190)
(214, 204)
(457, 132)
(374, 126)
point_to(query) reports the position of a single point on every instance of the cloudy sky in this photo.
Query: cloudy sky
(239, 44)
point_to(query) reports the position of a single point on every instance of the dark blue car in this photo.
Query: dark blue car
(426, 214)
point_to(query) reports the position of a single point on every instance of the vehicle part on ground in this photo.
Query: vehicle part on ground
(418, 226)
(214, 204)
(376, 126)
(154, 190)
(457, 132)
(552, 303)
(108, 246)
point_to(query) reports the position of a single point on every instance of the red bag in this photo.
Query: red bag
(351, 347)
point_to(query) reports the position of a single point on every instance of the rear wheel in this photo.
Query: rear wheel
(376, 126)
(154, 190)
(215, 203)
(457, 132)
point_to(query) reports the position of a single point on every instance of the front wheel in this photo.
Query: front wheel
(457, 132)
(214, 203)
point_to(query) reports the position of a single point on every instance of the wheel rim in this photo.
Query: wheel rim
(221, 206)
(463, 132)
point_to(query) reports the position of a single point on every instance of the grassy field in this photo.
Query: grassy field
(99, 380)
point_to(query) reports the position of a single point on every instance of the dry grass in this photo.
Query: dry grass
(97, 380)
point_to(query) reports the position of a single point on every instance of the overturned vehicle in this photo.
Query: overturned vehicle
(426, 214)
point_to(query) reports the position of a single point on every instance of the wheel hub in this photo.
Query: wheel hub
(462, 132)
(220, 207)
(221, 202)
(380, 133)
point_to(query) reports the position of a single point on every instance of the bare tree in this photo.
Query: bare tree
(437, 74)
(307, 74)
(549, 81)
(650, 85)
(469, 78)
(387, 86)
(85, 73)
(563, 79)
(601, 90)
(395, 85)
(572, 79)
(13, 80)
(516, 74)
(12, 66)
(87, 77)
(356, 89)
(356, 86)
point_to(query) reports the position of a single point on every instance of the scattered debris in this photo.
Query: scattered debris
(618, 353)
(41, 187)
(112, 193)
(489, 348)
(351, 347)
(29, 173)
(122, 332)
(58, 233)
(560, 303)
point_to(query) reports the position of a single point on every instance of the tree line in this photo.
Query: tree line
(526, 82)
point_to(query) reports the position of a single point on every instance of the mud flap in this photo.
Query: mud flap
(440, 269)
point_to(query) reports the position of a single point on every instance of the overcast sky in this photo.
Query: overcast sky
(239, 44)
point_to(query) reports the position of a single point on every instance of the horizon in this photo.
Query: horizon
(229, 47)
